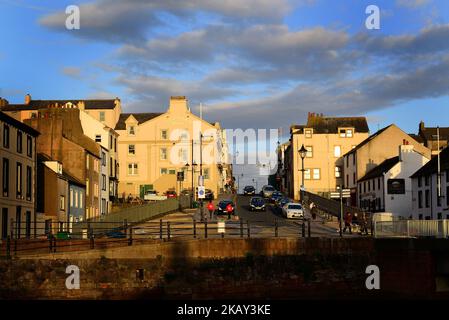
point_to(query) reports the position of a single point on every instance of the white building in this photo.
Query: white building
(430, 196)
(388, 186)
(107, 138)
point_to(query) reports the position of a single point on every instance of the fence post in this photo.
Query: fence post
(8, 247)
(50, 241)
(303, 229)
(54, 244)
(160, 230)
(308, 228)
(130, 242)
(92, 241)
(276, 231)
(205, 229)
(241, 228)
(89, 230)
(249, 231)
(12, 228)
(194, 228)
(168, 230)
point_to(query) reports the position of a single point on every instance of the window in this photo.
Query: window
(206, 173)
(426, 180)
(19, 141)
(103, 182)
(353, 178)
(5, 182)
(316, 174)
(342, 133)
(133, 169)
(19, 180)
(131, 149)
(349, 133)
(306, 174)
(103, 206)
(76, 199)
(81, 199)
(62, 203)
(6, 136)
(171, 171)
(29, 146)
(427, 195)
(131, 130)
(439, 201)
(115, 145)
(87, 187)
(182, 153)
(87, 161)
(346, 133)
(5, 223)
(374, 185)
(111, 167)
(28, 183)
(71, 197)
(96, 190)
(309, 153)
(337, 172)
(337, 151)
(360, 188)
(364, 186)
(102, 116)
(163, 153)
(347, 161)
(98, 138)
(378, 183)
(164, 134)
(110, 142)
(447, 175)
(164, 171)
(103, 159)
(447, 195)
(347, 180)
(369, 186)
(353, 159)
(308, 133)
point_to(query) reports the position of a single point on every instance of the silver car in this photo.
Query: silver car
(267, 191)
(293, 210)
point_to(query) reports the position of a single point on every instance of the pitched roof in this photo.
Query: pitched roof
(20, 125)
(322, 124)
(380, 169)
(416, 137)
(370, 138)
(430, 133)
(43, 104)
(432, 166)
(140, 117)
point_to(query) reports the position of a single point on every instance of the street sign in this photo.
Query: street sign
(221, 225)
(201, 192)
(180, 176)
(345, 193)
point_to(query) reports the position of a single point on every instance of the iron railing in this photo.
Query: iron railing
(412, 228)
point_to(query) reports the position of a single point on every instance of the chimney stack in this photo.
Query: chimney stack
(27, 98)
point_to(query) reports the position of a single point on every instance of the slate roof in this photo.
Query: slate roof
(430, 133)
(43, 104)
(140, 117)
(322, 124)
(380, 169)
(432, 166)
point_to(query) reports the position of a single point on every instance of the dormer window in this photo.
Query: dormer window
(131, 130)
(308, 133)
(346, 133)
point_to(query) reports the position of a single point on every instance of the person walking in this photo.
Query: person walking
(364, 224)
(312, 210)
(348, 221)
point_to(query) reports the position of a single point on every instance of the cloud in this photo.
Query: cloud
(72, 72)
(412, 3)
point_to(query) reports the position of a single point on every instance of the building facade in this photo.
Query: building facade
(388, 187)
(18, 177)
(371, 152)
(430, 188)
(433, 138)
(326, 140)
(154, 147)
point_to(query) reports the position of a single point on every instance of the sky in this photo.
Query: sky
(252, 64)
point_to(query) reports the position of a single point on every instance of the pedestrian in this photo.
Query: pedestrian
(364, 224)
(348, 221)
(312, 210)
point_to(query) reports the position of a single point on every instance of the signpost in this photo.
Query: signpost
(340, 194)
(201, 192)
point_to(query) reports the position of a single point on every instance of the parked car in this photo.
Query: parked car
(275, 196)
(171, 194)
(222, 207)
(249, 190)
(257, 204)
(209, 195)
(151, 195)
(282, 201)
(293, 210)
(267, 191)
(116, 234)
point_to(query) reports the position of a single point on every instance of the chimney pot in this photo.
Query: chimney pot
(27, 98)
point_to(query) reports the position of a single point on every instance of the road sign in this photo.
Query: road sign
(180, 176)
(345, 193)
(221, 225)
(201, 192)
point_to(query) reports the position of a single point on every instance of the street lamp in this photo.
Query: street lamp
(193, 171)
(302, 154)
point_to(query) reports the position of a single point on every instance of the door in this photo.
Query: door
(4, 223)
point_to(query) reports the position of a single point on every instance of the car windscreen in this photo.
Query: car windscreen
(257, 201)
(295, 206)
(249, 188)
(269, 189)
(223, 204)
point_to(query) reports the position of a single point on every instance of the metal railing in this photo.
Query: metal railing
(105, 235)
(412, 228)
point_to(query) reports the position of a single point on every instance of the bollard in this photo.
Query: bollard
(194, 229)
(303, 229)
(276, 234)
(130, 242)
(160, 230)
(308, 228)
(92, 241)
(205, 229)
(8, 247)
(168, 230)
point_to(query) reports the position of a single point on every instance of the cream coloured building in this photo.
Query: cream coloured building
(326, 140)
(154, 147)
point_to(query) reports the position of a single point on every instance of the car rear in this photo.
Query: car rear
(249, 190)
(257, 204)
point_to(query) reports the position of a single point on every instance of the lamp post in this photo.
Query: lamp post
(302, 154)
(193, 171)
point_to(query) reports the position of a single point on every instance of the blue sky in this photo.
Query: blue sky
(255, 63)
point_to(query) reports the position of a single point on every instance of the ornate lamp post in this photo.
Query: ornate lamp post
(193, 171)
(302, 154)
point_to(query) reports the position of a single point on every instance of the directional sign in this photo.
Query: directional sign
(345, 193)
(221, 226)
(201, 192)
